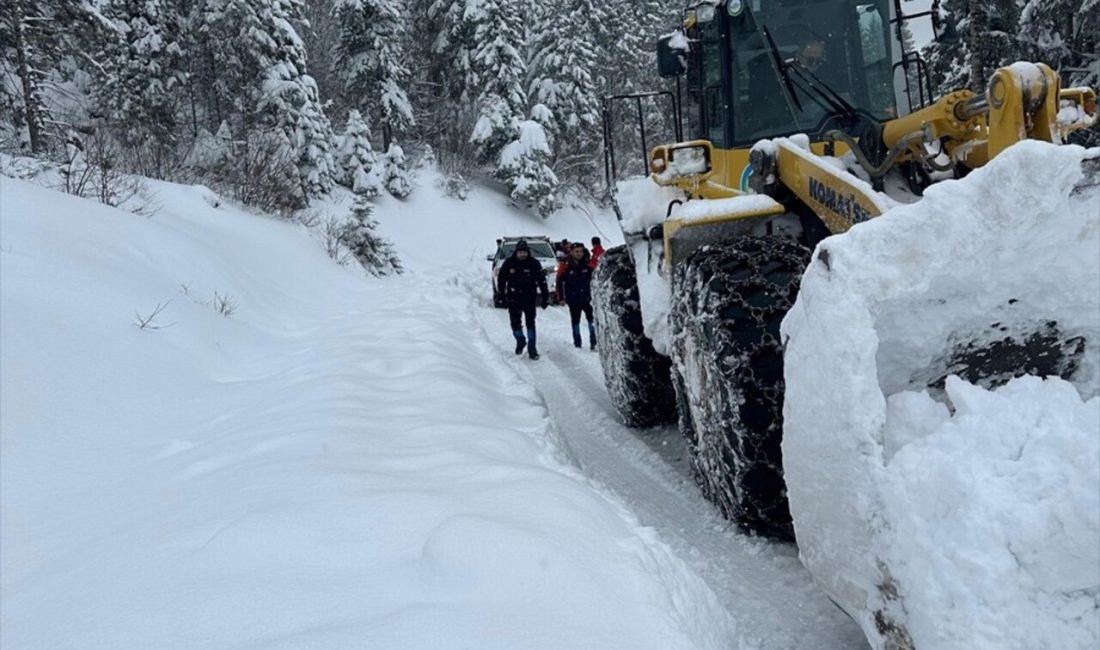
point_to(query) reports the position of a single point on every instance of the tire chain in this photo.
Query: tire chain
(638, 378)
(729, 301)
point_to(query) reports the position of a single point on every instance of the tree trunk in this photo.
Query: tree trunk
(974, 32)
(32, 99)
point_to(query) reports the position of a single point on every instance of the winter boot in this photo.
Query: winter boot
(532, 351)
(591, 336)
(577, 336)
(520, 341)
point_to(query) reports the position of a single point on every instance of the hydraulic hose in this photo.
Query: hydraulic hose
(876, 171)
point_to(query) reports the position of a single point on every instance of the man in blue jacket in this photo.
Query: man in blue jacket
(521, 280)
(574, 286)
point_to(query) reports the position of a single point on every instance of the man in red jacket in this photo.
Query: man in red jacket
(597, 251)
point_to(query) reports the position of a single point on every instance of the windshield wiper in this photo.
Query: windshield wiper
(809, 83)
(781, 67)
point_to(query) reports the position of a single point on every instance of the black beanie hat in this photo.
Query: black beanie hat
(522, 245)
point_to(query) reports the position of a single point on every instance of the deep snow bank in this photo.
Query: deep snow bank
(936, 511)
(336, 462)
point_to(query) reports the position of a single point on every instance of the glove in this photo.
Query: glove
(545, 302)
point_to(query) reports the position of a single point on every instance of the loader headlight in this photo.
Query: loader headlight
(668, 163)
(689, 161)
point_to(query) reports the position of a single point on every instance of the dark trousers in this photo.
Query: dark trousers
(575, 312)
(527, 311)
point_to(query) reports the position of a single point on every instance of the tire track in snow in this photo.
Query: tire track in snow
(761, 583)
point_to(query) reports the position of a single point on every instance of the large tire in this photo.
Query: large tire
(728, 303)
(638, 378)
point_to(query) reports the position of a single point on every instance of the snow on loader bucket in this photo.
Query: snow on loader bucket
(915, 465)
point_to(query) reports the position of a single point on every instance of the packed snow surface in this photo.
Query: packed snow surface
(966, 516)
(330, 460)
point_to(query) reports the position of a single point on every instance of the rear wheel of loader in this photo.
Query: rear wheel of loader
(729, 301)
(638, 378)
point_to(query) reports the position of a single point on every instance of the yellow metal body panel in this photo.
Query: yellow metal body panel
(729, 172)
(1022, 102)
(1021, 107)
(674, 227)
(839, 203)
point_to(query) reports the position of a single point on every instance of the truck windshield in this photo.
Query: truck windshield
(846, 44)
(538, 249)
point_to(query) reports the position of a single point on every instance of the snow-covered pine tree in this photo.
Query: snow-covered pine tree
(562, 61)
(498, 72)
(396, 172)
(626, 34)
(983, 40)
(991, 34)
(320, 38)
(524, 165)
(440, 63)
(28, 111)
(357, 161)
(370, 59)
(258, 68)
(141, 79)
(313, 138)
(360, 235)
(563, 57)
(451, 60)
(211, 153)
(40, 62)
(1065, 34)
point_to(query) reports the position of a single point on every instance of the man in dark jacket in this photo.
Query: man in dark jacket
(520, 281)
(574, 286)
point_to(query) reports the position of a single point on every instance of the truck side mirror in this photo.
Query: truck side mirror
(672, 55)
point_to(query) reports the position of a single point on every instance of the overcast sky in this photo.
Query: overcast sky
(922, 27)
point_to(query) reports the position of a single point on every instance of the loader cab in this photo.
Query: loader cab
(739, 88)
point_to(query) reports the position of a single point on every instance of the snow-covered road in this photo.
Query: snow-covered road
(761, 583)
(339, 461)
(343, 461)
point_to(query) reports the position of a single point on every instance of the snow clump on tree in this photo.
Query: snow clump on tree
(375, 253)
(356, 160)
(524, 165)
(396, 173)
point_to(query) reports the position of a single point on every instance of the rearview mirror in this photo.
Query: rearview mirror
(490, 258)
(672, 55)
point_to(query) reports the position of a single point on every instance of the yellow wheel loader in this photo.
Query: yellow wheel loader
(803, 118)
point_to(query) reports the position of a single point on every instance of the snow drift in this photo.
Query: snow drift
(938, 500)
(332, 462)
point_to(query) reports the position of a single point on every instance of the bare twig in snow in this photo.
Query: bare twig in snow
(147, 322)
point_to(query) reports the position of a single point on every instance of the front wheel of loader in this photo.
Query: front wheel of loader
(728, 302)
(638, 378)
